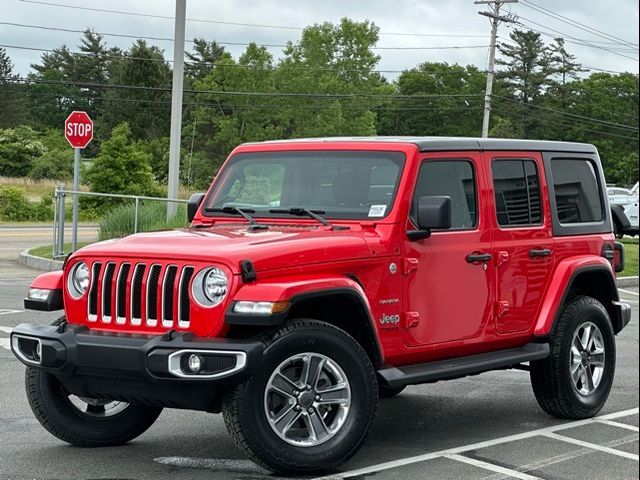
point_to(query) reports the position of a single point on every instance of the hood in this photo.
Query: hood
(278, 247)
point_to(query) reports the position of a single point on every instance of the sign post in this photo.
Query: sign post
(78, 130)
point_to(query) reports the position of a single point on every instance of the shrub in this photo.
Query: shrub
(14, 206)
(119, 221)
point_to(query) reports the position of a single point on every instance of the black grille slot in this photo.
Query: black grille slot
(93, 293)
(152, 293)
(167, 293)
(107, 289)
(184, 312)
(122, 290)
(136, 291)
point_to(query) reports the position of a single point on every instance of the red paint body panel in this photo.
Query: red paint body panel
(48, 281)
(446, 306)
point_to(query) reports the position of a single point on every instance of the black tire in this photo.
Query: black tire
(58, 415)
(245, 412)
(385, 391)
(617, 229)
(551, 378)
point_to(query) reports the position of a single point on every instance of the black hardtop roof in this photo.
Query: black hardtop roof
(430, 144)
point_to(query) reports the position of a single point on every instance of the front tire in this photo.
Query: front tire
(310, 406)
(575, 380)
(81, 421)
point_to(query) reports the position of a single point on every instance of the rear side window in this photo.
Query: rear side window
(517, 192)
(454, 178)
(577, 192)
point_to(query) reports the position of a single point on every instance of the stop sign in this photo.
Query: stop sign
(78, 129)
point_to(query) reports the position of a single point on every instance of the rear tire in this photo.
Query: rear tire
(291, 429)
(575, 380)
(617, 229)
(102, 423)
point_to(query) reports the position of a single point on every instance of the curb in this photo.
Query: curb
(39, 263)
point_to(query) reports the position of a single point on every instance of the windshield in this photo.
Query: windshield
(350, 185)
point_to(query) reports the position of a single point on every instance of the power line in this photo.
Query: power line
(160, 104)
(218, 22)
(573, 115)
(581, 127)
(267, 45)
(235, 93)
(562, 34)
(576, 24)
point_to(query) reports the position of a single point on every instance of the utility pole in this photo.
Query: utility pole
(176, 106)
(495, 17)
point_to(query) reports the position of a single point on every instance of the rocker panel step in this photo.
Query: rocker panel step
(463, 366)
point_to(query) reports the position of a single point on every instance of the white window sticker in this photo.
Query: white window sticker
(377, 210)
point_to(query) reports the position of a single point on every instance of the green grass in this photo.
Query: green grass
(46, 250)
(630, 258)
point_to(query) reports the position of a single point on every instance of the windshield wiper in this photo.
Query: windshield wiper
(300, 211)
(243, 212)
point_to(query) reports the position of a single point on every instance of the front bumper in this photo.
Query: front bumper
(142, 369)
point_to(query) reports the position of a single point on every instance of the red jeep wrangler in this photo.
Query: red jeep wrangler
(318, 275)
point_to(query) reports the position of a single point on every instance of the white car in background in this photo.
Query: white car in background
(624, 209)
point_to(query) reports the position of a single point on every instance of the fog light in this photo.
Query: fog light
(194, 363)
(37, 352)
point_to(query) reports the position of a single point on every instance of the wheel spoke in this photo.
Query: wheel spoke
(317, 428)
(312, 367)
(286, 419)
(576, 373)
(576, 346)
(335, 395)
(597, 359)
(586, 337)
(588, 376)
(283, 385)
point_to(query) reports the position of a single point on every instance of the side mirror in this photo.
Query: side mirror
(194, 204)
(433, 213)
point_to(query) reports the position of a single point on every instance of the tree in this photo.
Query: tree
(121, 167)
(439, 115)
(526, 76)
(200, 62)
(11, 94)
(564, 68)
(145, 103)
(18, 148)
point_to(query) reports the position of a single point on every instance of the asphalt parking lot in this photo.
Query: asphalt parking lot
(483, 427)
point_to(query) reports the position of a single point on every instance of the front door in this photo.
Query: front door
(522, 238)
(449, 276)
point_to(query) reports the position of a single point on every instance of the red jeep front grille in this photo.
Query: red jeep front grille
(140, 294)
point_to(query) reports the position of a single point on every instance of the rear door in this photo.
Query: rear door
(522, 239)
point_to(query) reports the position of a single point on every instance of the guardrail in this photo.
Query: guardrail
(61, 194)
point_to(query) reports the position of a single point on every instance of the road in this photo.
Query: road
(483, 427)
(15, 238)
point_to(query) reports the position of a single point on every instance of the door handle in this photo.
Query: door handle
(478, 257)
(539, 252)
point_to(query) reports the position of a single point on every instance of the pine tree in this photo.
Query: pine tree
(200, 62)
(564, 67)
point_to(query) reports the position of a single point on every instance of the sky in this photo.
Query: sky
(457, 20)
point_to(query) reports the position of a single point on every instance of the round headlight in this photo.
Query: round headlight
(210, 286)
(79, 279)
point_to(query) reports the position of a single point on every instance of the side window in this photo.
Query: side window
(454, 178)
(577, 192)
(517, 192)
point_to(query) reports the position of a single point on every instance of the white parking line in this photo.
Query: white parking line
(490, 466)
(476, 446)
(6, 329)
(8, 311)
(629, 292)
(590, 445)
(4, 343)
(620, 425)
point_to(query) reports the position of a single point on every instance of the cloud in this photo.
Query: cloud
(451, 17)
